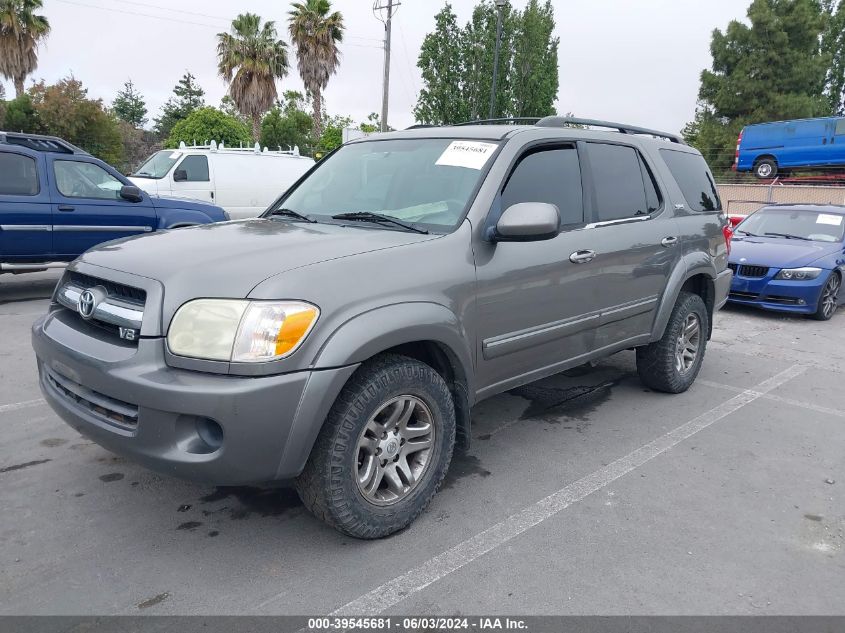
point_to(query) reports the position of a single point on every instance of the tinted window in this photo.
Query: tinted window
(618, 177)
(76, 179)
(551, 176)
(840, 127)
(691, 173)
(18, 176)
(196, 167)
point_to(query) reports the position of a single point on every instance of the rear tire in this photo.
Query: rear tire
(766, 168)
(829, 298)
(370, 474)
(672, 363)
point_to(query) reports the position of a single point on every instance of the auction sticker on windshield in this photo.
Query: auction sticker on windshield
(829, 218)
(469, 154)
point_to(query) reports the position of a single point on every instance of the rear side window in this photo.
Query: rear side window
(552, 176)
(196, 167)
(840, 127)
(619, 175)
(693, 177)
(18, 175)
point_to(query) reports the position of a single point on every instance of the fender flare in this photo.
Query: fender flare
(690, 266)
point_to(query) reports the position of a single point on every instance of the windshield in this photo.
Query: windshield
(157, 165)
(802, 224)
(425, 181)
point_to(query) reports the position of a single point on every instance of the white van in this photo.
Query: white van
(242, 181)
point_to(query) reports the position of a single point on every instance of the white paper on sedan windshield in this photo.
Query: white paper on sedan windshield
(829, 218)
(468, 154)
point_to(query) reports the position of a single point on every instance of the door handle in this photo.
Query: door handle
(669, 241)
(66, 207)
(582, 257)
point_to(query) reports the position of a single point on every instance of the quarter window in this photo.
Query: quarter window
(552, 176)
(840, 127)
(620, 189)
(76, 179)
(18, 175)
(195, 167)
(693, 177)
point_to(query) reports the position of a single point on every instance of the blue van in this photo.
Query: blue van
(768, 148)
(57, 201)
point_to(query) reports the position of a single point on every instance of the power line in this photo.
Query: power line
(136, 13)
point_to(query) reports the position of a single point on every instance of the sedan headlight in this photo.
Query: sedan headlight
(240, 330)
(798, 274)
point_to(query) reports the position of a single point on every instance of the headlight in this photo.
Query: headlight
(798, 274)
(240, 331)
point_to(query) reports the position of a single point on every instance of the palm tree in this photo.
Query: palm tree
(251, 59)
(316, 33)
(20, 32)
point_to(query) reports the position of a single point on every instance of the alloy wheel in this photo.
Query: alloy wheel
(830, 296)
(686, 348)
(394, 450)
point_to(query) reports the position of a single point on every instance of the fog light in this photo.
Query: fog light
(801, 302)
(211, 433)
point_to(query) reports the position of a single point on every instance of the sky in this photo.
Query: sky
(633, 61)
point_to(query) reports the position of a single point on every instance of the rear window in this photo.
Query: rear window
(693, 177)
(18, 176)
(620, 178)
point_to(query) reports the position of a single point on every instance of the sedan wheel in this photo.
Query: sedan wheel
(829, 299)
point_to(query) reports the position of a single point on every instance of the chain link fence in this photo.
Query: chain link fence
(743, 199)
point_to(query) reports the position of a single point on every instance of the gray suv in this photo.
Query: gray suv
(341, 339)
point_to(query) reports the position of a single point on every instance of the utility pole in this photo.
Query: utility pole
(384, 10)
(500, 4)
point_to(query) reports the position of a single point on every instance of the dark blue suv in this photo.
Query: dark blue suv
(57, 201)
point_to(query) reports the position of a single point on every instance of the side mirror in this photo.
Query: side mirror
(528, 222)
(131, 193)
(180, 175)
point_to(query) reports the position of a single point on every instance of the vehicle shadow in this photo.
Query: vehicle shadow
(28, 286)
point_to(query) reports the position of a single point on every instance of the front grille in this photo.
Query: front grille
(733, 267)
(743, 296)
(753, 271)
(114, 289)
(110, 410)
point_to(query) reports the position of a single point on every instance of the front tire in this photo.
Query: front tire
(829, 298)
(384, 449)
(672, 363)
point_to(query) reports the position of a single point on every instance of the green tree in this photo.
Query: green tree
(457, 64)
(187, 97)
(65, 110)
(129, 106)
(21, 31)
(534, 73)
(209, 124)
(332, 136)
(833, 47)
(373, 123)
(251, 59)
(316, 31)
(771, 70)
(137, 143)
(21, 116)
(287, 124)
(441, 99)
(2, 107)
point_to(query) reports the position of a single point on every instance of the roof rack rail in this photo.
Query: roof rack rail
(564, 121)
(527, 119)
(40, 142)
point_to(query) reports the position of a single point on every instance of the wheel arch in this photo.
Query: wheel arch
(699, 279)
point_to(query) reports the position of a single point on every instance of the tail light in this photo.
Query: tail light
(738, 143)
(727, 231)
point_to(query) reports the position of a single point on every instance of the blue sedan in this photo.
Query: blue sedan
(790, 258)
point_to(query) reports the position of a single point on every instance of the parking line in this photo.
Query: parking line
(774, 398)
(21, 405)
(394, 591)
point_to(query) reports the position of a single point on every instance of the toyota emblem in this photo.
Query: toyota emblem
(86, 304)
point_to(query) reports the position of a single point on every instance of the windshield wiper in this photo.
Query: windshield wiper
(290, 213)
(788, 236)
(748, 233)
(142, 174)
(367, 216)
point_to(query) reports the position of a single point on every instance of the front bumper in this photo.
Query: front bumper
(797, 297)
(128, 400)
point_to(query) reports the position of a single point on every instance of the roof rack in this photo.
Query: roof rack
(564, 121)
(532, 120)
(40, 143)
(213, 146)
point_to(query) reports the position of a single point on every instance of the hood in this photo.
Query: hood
(229, 259)
(150, 185)
(777, 252)
(171, 202)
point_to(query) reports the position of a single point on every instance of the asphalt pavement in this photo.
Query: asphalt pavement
(585, 493)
